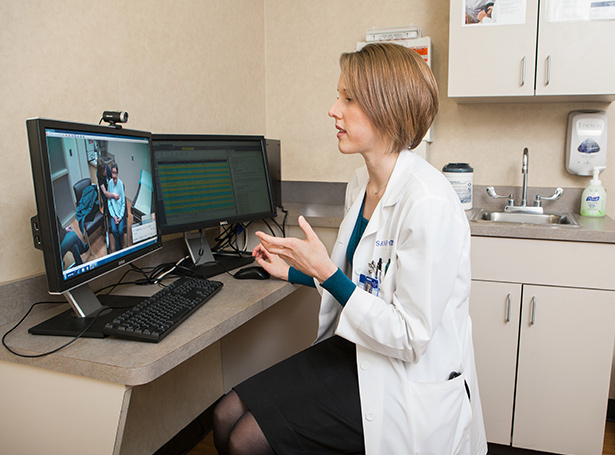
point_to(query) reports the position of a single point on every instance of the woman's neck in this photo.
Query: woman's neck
(380, 169)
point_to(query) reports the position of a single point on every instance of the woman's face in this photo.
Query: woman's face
(114, 175)
(356, 133)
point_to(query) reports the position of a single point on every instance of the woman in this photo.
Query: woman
(117, 206)
(103, 174)
(392, 371)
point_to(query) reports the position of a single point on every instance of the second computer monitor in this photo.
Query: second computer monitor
(210, 180)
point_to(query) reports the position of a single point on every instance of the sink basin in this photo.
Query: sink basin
(543, 219)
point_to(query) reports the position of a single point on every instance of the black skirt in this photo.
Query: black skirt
(309, 403)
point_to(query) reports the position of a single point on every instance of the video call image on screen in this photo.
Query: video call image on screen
(103, 196)
(203, 183)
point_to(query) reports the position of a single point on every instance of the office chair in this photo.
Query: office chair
(94, 218)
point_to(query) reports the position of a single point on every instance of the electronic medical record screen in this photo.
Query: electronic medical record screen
(206, 181)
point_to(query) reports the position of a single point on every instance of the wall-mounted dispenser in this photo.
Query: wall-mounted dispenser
(586, 141)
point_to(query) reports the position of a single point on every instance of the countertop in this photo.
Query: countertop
(595, 230)
(134, 363)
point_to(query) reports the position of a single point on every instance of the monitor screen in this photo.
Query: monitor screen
(96, 203)
(206, 180)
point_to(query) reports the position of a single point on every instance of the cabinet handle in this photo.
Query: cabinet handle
(522, 71)
(533, 312)
(548, 79)
(508, 308)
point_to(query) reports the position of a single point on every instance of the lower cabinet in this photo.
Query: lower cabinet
(544, 330)
(495, 311)
(543, 355)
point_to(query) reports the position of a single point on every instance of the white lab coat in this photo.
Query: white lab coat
(417, 330)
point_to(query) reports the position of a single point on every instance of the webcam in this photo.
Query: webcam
(114, 117)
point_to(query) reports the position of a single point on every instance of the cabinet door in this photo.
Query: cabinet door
(494, 308)
(574, 57)
(564, 367)
(491, 60)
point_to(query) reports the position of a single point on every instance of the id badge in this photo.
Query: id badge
(370, 284)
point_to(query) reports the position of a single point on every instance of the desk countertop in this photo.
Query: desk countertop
(135, 363)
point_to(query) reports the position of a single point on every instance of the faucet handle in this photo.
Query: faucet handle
(491, 192)
(558, 194)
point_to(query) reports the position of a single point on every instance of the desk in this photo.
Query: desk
(123, 397)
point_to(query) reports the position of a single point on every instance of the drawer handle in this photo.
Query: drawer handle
(522, 71)
(508, 308)
(533, 312)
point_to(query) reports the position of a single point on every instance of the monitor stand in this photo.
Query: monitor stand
(208, 264)
(85, 306)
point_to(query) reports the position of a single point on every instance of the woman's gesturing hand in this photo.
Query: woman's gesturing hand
(272, 263)
(309, 255)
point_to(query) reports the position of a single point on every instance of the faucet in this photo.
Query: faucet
(524, 171)
(537, 207)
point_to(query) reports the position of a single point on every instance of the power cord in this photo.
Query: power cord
(98, 313)
(32, 356)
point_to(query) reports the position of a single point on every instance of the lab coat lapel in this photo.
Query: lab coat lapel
(376, 221)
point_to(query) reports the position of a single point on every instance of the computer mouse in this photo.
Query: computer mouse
(254, 272)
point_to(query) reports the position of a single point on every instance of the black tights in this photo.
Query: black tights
(236, 431)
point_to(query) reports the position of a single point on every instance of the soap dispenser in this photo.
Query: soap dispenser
(593, 201)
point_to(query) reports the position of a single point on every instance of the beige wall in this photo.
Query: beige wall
(241, 66)
(174, 66)
(304, 40)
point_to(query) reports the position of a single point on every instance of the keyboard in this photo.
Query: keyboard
(157, 316)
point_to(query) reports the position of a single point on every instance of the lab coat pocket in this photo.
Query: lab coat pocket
(440, 415)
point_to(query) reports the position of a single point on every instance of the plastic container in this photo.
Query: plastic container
(593, 200)
(461, 175)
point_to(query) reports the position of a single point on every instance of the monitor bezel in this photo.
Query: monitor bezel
(45, 232)
(204, 224)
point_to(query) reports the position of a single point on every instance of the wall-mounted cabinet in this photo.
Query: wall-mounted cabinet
(543, 328)
(538, 58)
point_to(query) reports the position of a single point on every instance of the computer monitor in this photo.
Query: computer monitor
(210, 180)
(96, 211)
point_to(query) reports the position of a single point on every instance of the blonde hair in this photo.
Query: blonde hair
(395, 88)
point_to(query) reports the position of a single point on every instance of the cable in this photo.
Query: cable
(159, 278)
(244, 231)
(28, 356)
(113, 286)
(228, 239)
(283, 227)
(270, 229)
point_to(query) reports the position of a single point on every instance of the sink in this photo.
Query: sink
(543, 219)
